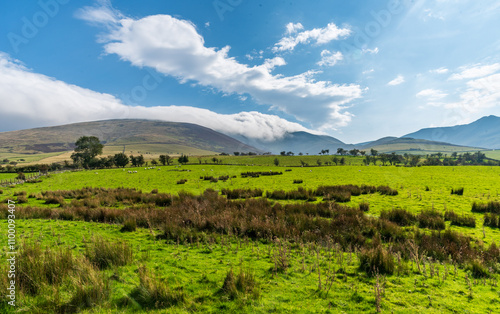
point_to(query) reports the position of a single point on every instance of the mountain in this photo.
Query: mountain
(381, 141)
(484, 133)
(412, 146)
(299, 142)
(129, 136)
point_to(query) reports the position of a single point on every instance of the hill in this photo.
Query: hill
(414, 146)
(299, 142)
(129, 136)
(484, 133)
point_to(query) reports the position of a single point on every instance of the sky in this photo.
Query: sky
(355, 70)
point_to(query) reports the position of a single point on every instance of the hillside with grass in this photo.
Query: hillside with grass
(484, 133)
(414, 146)
(128, 136)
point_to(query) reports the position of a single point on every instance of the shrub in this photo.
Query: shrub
(241, 193)
(154, 293)
(457, 191)
(104, 254)
(490, 207)
(182, 181)
(364, 206)
(456, 220)
(243, 283)
(90, 292)
(21, 199)
(491, 220)
(55, 200)
(154, 191)
(385, 190)
(376, 261)
(298, 181)
(399, 216)
(129, 226)
(478, 270)
(431, 219)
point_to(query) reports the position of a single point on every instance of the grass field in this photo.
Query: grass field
(318, 278)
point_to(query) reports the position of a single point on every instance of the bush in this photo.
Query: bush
(243, 283)
(182, 181)
(457, 191)
(456, 220)
(431, 219)
(241, 193)
(55, 200)
(478, 270)
(385, 190)
(298, 181)
(21, 199)
(129, 226)
(491, 220)
(154, 293)
(364, 206)
(104, 254)
(399, 216)
(490, 207)
(376, 261)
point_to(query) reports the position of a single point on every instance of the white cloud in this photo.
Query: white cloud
(441, 70)
(398, 80)
(368, 71)
(33, 100)
(174, 47)
(475, 71)
(317, 35)
(371, 51)
(481, 93)
(292, 28)
(329, 58)
(431, 94)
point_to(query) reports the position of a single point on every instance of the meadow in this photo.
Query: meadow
(187, 248)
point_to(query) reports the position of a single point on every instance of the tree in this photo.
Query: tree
(137, 161)
(354, 152)
(276, 162)
(121, 160)
(342, 161)
(373, 152)
(236, 153)
(165, 159)
(341, 151)
(183, 159)
(335, 160)
(154, 162)
(283, 153)
(87, 148)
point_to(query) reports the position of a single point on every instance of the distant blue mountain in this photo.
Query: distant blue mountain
(484, 133)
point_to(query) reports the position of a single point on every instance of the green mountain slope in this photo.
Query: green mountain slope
(123, 135)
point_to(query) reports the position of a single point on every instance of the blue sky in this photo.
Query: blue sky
(356, 70)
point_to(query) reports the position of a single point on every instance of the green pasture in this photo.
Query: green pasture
(201, 268)
(199, 271)
(480, 183)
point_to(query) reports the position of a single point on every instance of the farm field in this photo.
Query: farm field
(189, 263)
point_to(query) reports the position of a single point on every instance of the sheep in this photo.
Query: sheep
(96, 173)
(158, 169)
(135, 171)
(130, 172)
